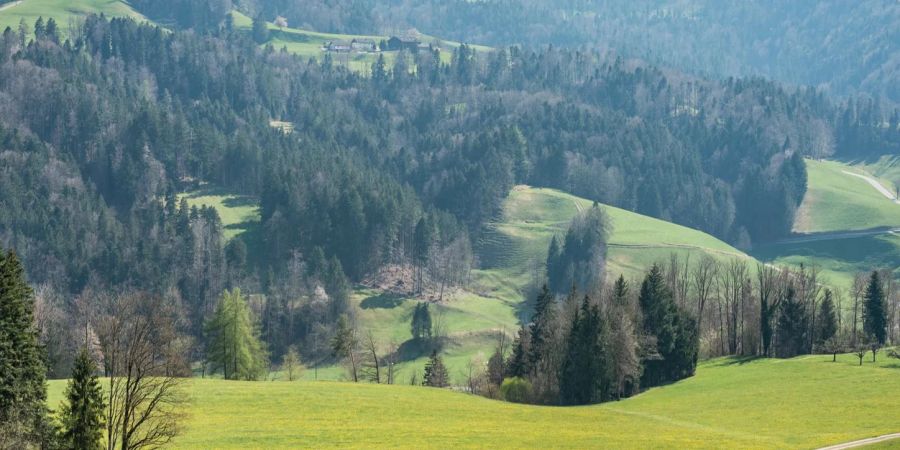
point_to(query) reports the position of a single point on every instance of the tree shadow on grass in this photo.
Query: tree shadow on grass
(384, 300)
(735, 361)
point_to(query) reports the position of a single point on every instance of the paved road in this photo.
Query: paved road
(10, 5)
(862, 442)
(875, 184)
(834, 235)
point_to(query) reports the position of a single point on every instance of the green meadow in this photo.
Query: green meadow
(63, 12)
(239, 213)
(805, 402)
(837, 201)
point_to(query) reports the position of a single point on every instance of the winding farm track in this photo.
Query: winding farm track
(875, 184)
(863, 442)
(10, 5)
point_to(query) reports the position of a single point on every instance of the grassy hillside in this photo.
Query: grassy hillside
(239, 213)
(836, 201)
(63, 11)
(532, 216)
(310, 43)
(802, 402)
(510, 251)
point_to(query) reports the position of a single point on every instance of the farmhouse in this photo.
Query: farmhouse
(363, 45)
(338, 46)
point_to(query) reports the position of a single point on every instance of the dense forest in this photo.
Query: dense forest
(399, 167)
(843, 48)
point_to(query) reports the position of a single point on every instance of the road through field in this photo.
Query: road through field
(10, 5)
(875, 184)
(863, 442)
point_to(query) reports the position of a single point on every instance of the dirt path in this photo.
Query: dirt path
(862, 442)
(875, 184)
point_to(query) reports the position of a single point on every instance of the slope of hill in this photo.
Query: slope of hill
(838, 200)
(803, 402)
(312, 44)
(63, 11)
(511, 250)
(837, 205)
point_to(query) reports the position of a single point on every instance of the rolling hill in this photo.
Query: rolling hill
(830, 228)
(805, 402)
(63, 11)
(511, 249)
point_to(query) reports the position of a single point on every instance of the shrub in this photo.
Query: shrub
(516, 390)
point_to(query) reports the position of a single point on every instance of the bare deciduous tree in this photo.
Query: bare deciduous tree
(142, 355)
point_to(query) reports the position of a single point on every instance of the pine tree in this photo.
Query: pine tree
(540, 328)
(344, 343)
(260, 30)
(435, 372)
(658, 309)
(874, 315)
(583, 380)
(234, 339)
(827, 324)
(83, 413)
(23, 392)
(792, 329)
(517, 365)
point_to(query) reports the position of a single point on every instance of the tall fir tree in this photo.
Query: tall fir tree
(658, 309)
(826, 328)
(23, 391)
(540, 329)
(583, 379)
(874, 311)
(83, 413)
(436, 372)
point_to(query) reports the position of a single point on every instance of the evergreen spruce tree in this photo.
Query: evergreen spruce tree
(540, 328)
(517, 364)
(83, 413)
(435, 372)
(583, 379)
(874, 313)
(23, 393)
(827, 324)
(792, 329)
(659, 313)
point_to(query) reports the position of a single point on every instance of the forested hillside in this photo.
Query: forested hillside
(101, 131)
(842, 46)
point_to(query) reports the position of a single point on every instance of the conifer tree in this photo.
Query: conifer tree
(83, 413)
(540, 328)
(875, 314)
(827, 325)
(235, 345)
(517, 365)
(583, 379)
(23, 394)
(435, 372)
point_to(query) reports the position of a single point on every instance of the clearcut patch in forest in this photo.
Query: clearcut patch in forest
(805, 402)
(63, 12)
(239, 213)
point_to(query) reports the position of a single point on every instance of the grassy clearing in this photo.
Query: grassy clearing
(837, 201)
(886, 168)
(840, 259)
(803, 402)
(65, 12)
(310, 44)
(239, 214)
(512, 249)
